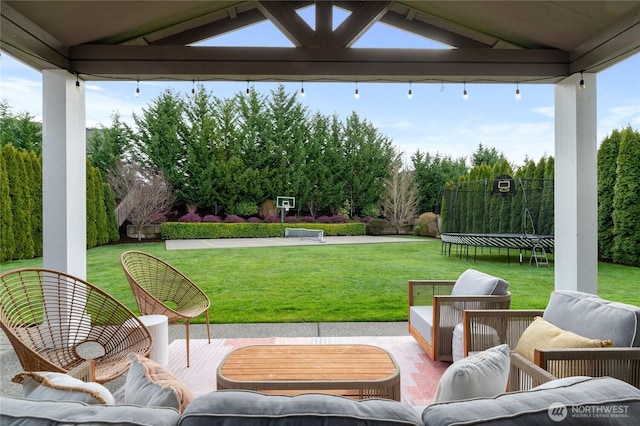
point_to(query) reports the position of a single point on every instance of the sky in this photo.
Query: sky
(436, 120)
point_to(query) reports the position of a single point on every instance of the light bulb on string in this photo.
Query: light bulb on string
(193, 88)
(581, 86)
(410, 92)
(465, 94)
(247, 92)
(302, 94)
(518, 95)
(356, 93)
(77, 82)
(138, 89)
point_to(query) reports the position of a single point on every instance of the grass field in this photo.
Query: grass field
(365, 282)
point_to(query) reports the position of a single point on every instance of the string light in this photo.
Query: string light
(247, 91)
(465, 94)
(581, 86)
(409, 93)
(193, 88)
(518, 95)
(356, 94)
(302, 94)
(138, 89)
(77, 82)
(442, 86)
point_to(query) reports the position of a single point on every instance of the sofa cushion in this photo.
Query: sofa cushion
(19, 411)
(60, 386)
(234, 407)
(150, 384)
(476, 283)
(583, 400)
(480, 375)
(590, 316)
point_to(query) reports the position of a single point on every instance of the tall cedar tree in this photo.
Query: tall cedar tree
(6, 214)
(21, 202)
(607, 172)
(34, 170)
(626, 209)
(107, 146)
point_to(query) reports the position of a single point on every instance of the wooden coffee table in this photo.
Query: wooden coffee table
(357, 371)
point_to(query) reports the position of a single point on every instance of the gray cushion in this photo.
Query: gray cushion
(590, 316)
(18, 411)
(476, 283)
(576, 394)
(235, 407)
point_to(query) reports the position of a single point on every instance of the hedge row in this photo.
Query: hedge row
(185, 230)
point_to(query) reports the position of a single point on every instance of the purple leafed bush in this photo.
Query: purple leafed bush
(338, 219)
(309, 219)
(158, 218)
(324, 219)
(212, 218)
(254, 219)
(271, 219)
(366, 219)
(290, 219)
(190, 217)
(232, 218)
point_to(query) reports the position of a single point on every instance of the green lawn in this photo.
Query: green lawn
(365, 282)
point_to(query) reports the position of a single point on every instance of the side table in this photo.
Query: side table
(158, 326)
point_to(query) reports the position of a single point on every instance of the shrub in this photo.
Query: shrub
(232, 218)
(158, 218)
(190, 217)
(324, 219)
(377, 226)
(290, 219)
(244, 208)
(212, 218)
(338, 219)
(271, 219)
(427, 226)
(254, 219)
(366, 219)
(309, 219)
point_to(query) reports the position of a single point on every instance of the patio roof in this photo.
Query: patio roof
(516, 41)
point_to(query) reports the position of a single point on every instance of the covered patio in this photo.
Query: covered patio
(559, 43)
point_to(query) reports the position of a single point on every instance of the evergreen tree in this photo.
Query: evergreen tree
(546, 216)
(34, 170)
(7, 245)
(607, 166)
(200, 140)
(488, 156)
(92, 214)
(110, 209)
(22, 131)
(102, 231)
(21, 203)
(626, 209)
(107, 146)
(159, 141)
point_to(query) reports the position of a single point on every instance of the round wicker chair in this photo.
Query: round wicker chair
(161, 289)
(55, 322)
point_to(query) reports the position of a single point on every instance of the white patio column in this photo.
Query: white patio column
(576, 186)
(64, 174)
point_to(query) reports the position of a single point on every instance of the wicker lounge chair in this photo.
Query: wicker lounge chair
(55, 322)
(580, 313)
(161, 289)
(436, 307)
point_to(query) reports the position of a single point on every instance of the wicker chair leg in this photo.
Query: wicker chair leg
(187, 336)
(208, 325)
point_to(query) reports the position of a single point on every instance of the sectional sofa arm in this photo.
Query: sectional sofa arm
(421, 292)
(508, 324)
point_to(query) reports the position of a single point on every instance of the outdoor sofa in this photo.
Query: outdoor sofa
(576, 334)
(578, 400)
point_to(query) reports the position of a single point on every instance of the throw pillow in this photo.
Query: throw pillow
(542, 334)
(484, 374)
(150, 384)
(48, 385)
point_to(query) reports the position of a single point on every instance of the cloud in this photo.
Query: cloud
(547, 111)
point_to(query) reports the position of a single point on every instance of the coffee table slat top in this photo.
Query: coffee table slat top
(369, 369)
